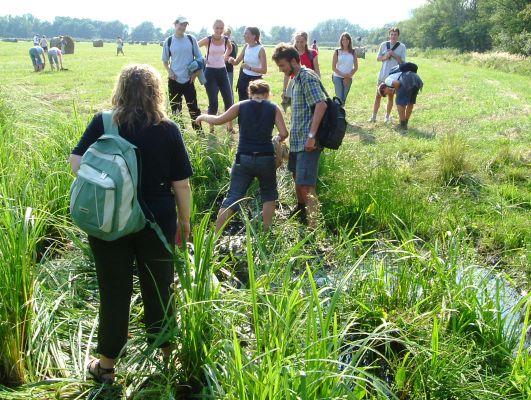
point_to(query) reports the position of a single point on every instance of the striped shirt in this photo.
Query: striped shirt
(306, 93)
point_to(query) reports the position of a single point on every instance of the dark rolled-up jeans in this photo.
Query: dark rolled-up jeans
(114, 268)
(217, 81)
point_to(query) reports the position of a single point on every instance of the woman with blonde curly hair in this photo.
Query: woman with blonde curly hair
(138, 110)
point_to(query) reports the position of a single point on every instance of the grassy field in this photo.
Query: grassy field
(414, 286)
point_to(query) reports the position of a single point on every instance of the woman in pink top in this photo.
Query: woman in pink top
(219, 48)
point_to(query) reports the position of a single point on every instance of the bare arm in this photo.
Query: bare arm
(227, 116)
(355, 67)
(237, 60)
(203, 42)
(316, 66)
(75, 162)
(281, 125)
(183, 197)
(228, 50)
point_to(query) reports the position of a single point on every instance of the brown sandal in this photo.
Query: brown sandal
(98, 373)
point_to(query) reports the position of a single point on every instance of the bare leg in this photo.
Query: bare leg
(389, 104)
(300, 197)
(401, 112)
(376, 106)
(409, 110)
(268, 210)
(223, 215)
(312, 204)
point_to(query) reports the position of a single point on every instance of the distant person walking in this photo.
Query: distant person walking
(314, 44)
(55, 57)
(308, 58)
(406, 85)
(119, 46)
(229, 66)
(36, 40)
(255, 157)
(344, 66)
(308, 104)
(138, 106)
(38, 60)
(254, 61)
(44, 43)
(219, 48)
(62, 40)
(391, 53)
(178, 52)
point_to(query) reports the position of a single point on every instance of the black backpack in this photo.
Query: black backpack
(404, 67)
(333, 126)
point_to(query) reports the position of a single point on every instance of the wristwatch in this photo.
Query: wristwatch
(311, 135)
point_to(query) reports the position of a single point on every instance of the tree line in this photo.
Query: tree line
(467, 25)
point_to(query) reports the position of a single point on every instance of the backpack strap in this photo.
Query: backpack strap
(388, 45)
(208, 46)
(109, 127)
(192, 43)
(169, 45)
(395, 46)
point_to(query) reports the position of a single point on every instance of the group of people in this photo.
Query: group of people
(40, 50)
(139, 113)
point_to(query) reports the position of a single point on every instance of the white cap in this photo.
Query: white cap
(181, 20)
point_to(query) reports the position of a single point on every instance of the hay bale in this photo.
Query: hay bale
(69, 44)
(10, 40)
(97, 43)
(144, 43)
(360, 52)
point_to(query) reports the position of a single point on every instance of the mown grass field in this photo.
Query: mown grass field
(414, 286)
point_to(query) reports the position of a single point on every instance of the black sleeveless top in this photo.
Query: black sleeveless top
(256, 120)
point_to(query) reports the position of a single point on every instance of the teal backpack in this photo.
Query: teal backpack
(104, 196)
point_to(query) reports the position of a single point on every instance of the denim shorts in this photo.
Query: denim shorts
(304, 165)
(405, 97)
(242, 175)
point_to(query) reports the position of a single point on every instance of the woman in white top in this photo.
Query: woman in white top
(219, 48)
(254, 61)
(344, 65)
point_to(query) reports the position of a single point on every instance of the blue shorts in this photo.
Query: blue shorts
(405, 97)
(242, 174)
(304, 165)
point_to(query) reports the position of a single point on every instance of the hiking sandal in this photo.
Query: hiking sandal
(98, 373)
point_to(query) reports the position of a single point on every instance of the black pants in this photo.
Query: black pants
(243, 85)
(114, 268)
(176, 91)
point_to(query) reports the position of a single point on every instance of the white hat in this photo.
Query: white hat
(181, 20)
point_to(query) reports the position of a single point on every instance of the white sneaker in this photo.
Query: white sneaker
(387, 119)
(372, 119)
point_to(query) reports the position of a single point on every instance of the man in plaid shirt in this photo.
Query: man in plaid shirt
(308, 106)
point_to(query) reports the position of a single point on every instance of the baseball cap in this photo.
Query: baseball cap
(181, 20)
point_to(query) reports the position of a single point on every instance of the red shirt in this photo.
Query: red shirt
(305, 59)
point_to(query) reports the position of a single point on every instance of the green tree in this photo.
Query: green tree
(330, 30)
(145, 32)
(281, 34)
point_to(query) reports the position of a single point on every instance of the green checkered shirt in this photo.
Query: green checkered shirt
(306, 93)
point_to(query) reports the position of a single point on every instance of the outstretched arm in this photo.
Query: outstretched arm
(227, 116)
